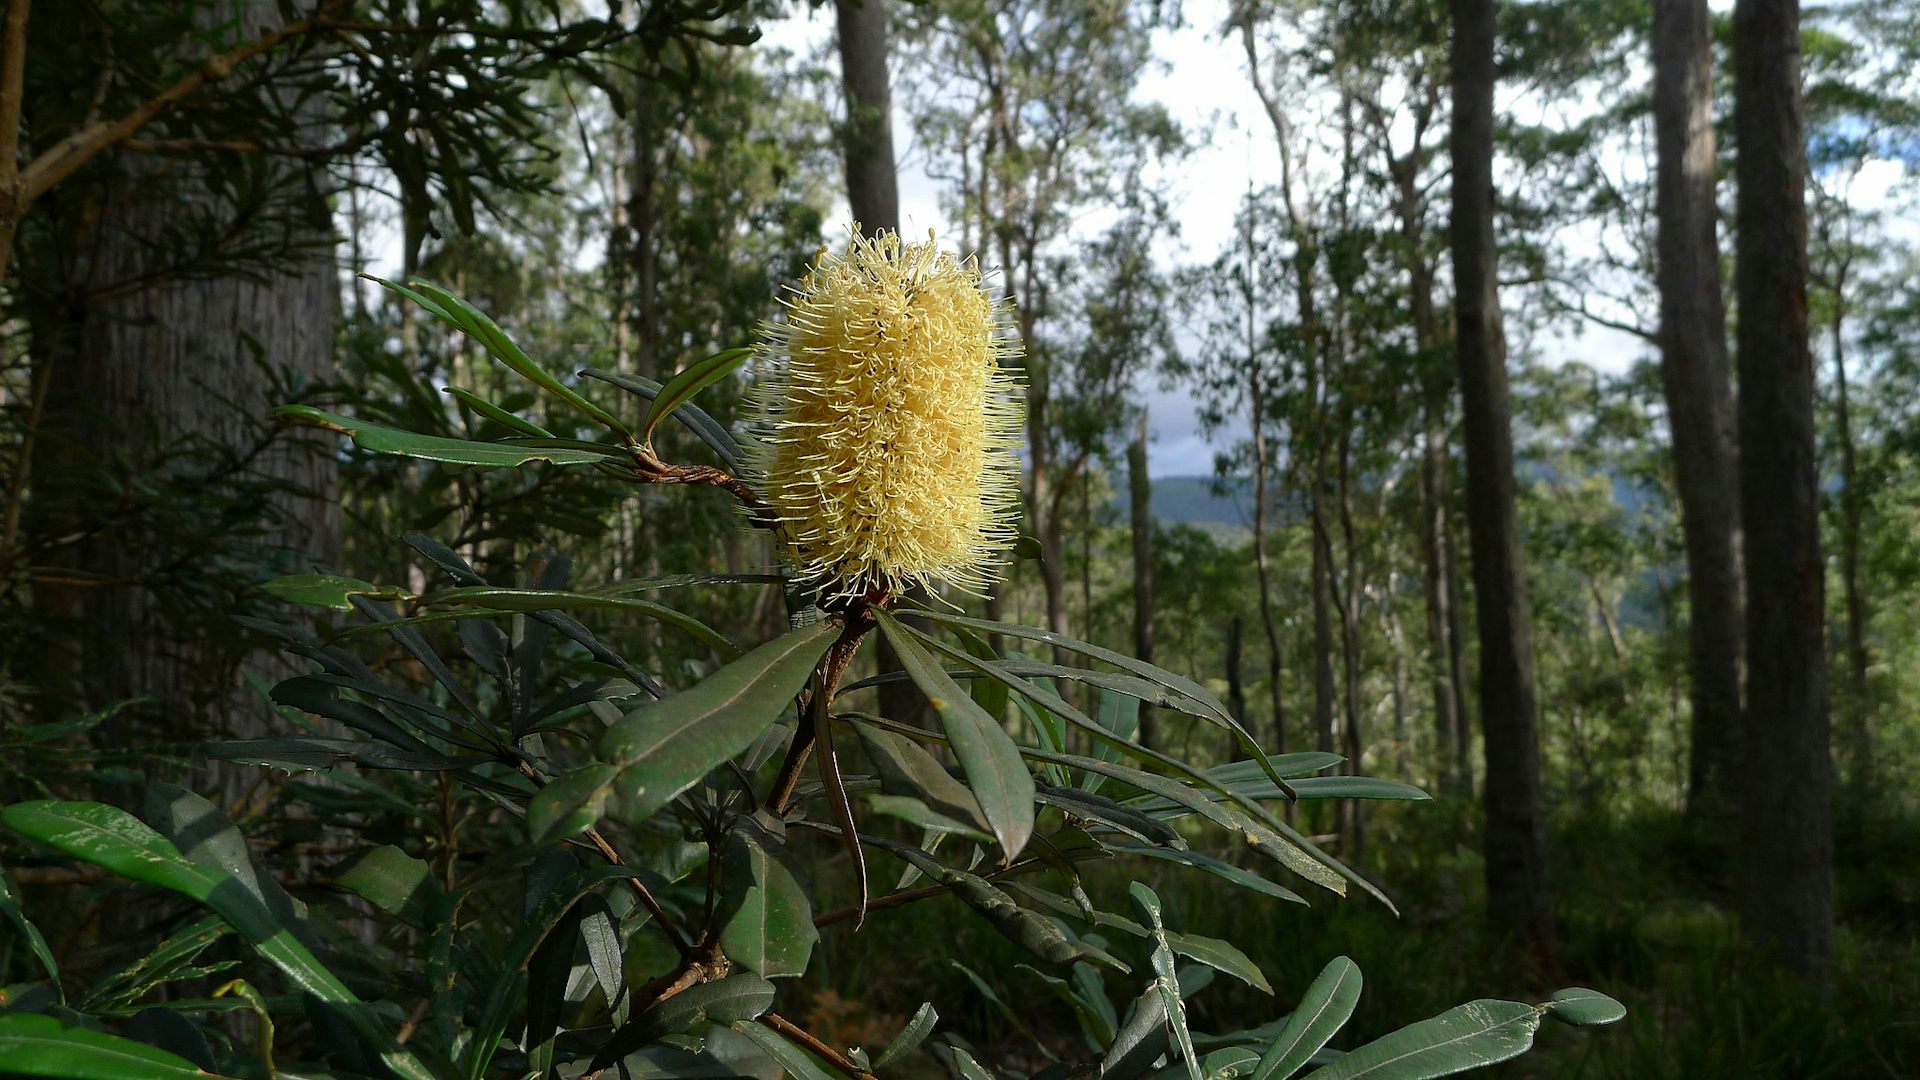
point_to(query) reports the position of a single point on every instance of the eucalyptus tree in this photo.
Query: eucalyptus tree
(1786, 892)
(1699, 392)
(1515, 836)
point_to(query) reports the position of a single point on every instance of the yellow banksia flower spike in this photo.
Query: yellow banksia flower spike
(884, 423)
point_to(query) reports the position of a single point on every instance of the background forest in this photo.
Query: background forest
(1516, 400)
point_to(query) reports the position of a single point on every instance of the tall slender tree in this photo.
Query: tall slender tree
(1140, 495)
(1694, 374)
(1515, 840)
(873, 183)
(1786, 893)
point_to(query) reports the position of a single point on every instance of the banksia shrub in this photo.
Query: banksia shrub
(884, 424)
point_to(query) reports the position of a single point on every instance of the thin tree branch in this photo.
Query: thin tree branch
(805, 1038)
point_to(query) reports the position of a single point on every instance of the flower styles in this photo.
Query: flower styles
(884, 424)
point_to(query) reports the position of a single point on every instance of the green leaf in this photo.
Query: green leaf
(1119, 714)
(1312, 787)
(483, 329)
(111, 838)
(914, 812)
(1246, 879)
(10, 907)
(766, 923)
(1093, 807)
(499, 598)
(1582, 1007)
(570, 805)
(1141, 1039)
(1221, 956)
(910, 1037)
(907, 769)
(798, 1063)
(1464, 1037)
(1165, 981)
(396, 883)
(36, 1045)
(735, 998)
(1295, 856)
(1322, 1011)
(330, 590)
(1179, 684)
(689, 381)
(1265, 831)
(988, 756)
(504, 988)
(306, 753)
(696, 420)
(664, 747)
(497, 414)
(380, 439)
(1228, 1062)
(1030, 930)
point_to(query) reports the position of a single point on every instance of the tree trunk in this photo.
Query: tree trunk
(873, 188)
(1786, 895)
(1693, 369)
(1322, 569)
(1515, 842)
(1262, 565)
(1857, 736)
(151, 364)
(1140, 492)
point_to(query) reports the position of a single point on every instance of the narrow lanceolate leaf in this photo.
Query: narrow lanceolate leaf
(690, 380)
(36, 1045)
(1165, 981)
(1246, 879)
(10, 907)
(1326, 1006)
(569, 805)
(766, 923)
(732, 999)
(665, 747)
(910, 1037)
(796, 1062)
(908, 770)
(503, 995)
(330, 590)
(504, 349)
(497, 414)
(111, 838)
(381, 439)
(1465, 1037)
(987, 754)
(724, 445)
(1221, 956)
(1582, 1007)
(497, 598)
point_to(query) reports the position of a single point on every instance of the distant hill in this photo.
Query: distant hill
(1226, 511)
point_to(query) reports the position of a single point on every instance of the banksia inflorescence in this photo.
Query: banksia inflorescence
(884, 424)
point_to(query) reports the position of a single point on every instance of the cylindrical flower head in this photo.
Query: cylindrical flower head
(884, 424)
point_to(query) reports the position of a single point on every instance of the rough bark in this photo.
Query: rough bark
(150, 362)
(1140, 492)
(1786, 894)
(1515, 840)
(1694, 373)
